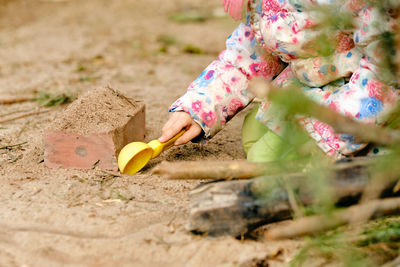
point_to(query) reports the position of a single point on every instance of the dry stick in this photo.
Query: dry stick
(26, 115)
(297, 103)
(16, 111)
(381, 178)
(292, 199)
(23, 128)
(9, 101)
(315, 224)
(11, 146)
(239, 169)
(129, 100)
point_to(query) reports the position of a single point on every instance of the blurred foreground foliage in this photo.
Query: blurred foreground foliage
(367, 243)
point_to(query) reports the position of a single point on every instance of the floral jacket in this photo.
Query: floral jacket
(281, 42)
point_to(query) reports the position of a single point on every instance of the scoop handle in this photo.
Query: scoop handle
(170, 142)
(159, 147)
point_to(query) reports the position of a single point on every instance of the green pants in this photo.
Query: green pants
(261, 144)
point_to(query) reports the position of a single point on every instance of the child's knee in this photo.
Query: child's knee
(271, 147)
(252, 130)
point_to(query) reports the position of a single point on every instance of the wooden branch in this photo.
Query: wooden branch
(9, 101)
(316, 224)
(25, 115)
(236, 207)
(297, 103)
(239, 169)
(227, 170)
(210, 169)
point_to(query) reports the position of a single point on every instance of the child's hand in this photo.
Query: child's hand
(178, 121)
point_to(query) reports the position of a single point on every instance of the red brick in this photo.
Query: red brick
(74, 151)
(71, 150)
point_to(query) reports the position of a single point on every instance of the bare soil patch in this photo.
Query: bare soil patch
(93, 218)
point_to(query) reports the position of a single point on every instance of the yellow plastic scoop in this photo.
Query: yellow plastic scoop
(134, 156)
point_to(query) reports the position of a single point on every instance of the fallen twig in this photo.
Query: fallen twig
(129, 100)
(236, 207)
(23, 128)
(25, 115)
(319, 223)
(8, 101)
(16, 111)
(11, 146)
(241, 169)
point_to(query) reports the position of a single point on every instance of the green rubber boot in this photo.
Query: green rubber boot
(263, 145)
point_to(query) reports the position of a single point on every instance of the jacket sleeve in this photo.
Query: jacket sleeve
(221, 89)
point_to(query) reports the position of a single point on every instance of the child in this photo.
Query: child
(282, 42)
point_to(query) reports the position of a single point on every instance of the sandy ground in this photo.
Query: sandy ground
(90, 218)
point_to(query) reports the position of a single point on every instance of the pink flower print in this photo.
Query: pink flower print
(327, 134)
(255, 68)
(234, 80)
(285, 75)
(227, 88)
(229, 66)
(205, 78)
(209, 75)
(344, 42)
(234, 105)
(308, 24)
(249, 35)
(375, 89)
(331, 152)
(295, 28)
(196, 106)
(364, 63)
(209, 118)
(266, 69)
(272, 18)
(354, 78)
(326, 95)
(271, 6)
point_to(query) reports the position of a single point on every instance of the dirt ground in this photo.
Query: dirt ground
(90, 218)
